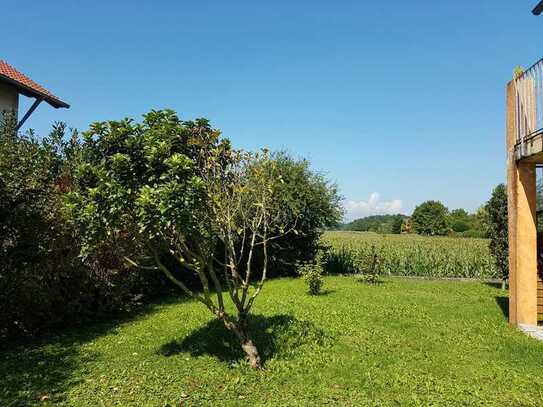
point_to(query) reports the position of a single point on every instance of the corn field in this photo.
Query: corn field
(409, 255)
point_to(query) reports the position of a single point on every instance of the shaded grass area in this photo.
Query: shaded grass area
(401, 342)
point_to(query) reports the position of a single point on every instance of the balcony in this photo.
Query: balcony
(528, 109)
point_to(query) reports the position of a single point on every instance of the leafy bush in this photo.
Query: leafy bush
(312, 275)
(368, 266)
(193, 205)
(430, 218)
(319, 206)
(43, 281)
(36, 254)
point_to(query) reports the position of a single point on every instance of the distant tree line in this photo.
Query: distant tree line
(377, 223)
(430, 218)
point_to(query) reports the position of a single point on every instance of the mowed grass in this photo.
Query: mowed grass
(401, 342)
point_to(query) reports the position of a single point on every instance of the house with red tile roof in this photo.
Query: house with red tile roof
(14, 83)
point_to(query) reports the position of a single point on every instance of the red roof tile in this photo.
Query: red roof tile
(27, 86)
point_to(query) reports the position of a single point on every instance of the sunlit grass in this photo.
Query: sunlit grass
(401, 342)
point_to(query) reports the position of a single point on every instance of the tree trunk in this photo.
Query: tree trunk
(241, 329)
(504, 282)
(252, 353)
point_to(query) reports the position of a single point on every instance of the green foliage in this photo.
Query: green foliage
(464, 224)
(377, 223)
(312, 272)
(518, 71)
(189, 204)
(403, 342)
(431, 218)
(35, 251)
(318, 206)
(473, 233)
(43, 282)
(339, 259)
(459, 220)
(396, 226)
(496, 209)
(140, 182)
(409, 255)
(122, 197)
(368, 265)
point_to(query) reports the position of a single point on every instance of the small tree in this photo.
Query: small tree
(189, 203)
(496, 224)
(397, 223)
(430, 218)
(312, 272)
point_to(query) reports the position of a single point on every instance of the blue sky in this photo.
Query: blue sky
(398, 101)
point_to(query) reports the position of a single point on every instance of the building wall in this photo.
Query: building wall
(9, 99)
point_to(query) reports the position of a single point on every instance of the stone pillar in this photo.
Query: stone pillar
(521, 191)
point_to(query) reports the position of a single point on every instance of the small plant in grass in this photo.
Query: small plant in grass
(369, 266)
(312, 275)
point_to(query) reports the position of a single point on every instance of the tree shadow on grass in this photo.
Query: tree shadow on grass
(44, 369)
(325, 292)
(275, 337)
(503, 303)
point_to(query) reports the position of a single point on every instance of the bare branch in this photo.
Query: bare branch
(178, 283)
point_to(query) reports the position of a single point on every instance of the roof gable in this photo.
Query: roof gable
(27, 86)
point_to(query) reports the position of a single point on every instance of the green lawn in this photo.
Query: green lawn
(402, 342)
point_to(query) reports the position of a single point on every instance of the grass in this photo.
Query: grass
(402, 342)
(414, 255)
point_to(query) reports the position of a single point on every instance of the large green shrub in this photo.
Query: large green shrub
(35, 246)
(319, 206)
(430, 218)
(190, 204)
(43, 281)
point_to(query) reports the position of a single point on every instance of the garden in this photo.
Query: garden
(152, 263)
